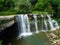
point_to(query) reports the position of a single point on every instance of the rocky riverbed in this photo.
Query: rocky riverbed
(54, 37)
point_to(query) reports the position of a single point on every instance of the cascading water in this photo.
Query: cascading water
(22, 25)
(44, 23)
(27, 23)
(26, 19)
(55, 24)
(50, 23)
(35, 21)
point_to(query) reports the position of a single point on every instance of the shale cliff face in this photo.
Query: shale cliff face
(8, 34)
(6, 21)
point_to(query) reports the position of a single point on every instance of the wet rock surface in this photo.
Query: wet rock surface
(54, 37)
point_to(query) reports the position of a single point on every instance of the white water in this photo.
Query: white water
(26, 20)
(45, 23)
(27, 23)
(42, 21)
(55, 24)
(22, 26)
(35, 21)
(50, 23)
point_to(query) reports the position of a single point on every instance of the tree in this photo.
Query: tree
(33, 2)
(41, 5)
(56, 7)
(6, 4)
(22, 6)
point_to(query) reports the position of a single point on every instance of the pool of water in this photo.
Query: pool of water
(35, 39)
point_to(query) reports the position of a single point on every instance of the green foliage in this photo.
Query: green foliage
(30, 6)
(33, 2)
(38, 12)
(44, 6)
(23, 6)
(39, 5)
(9, 12)
(6, 5)
(58, 20)
(56, 7)
(0, 42)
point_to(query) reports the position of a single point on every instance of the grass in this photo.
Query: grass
(39, 12)
(9, 12)
(12, 12)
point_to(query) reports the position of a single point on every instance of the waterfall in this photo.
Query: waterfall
(24, 25)
(26, 19)
(44, 23)
(55, 24)
(21, 25)
(23, 22)
(27, 23)
(35, 21)
(50, 23)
